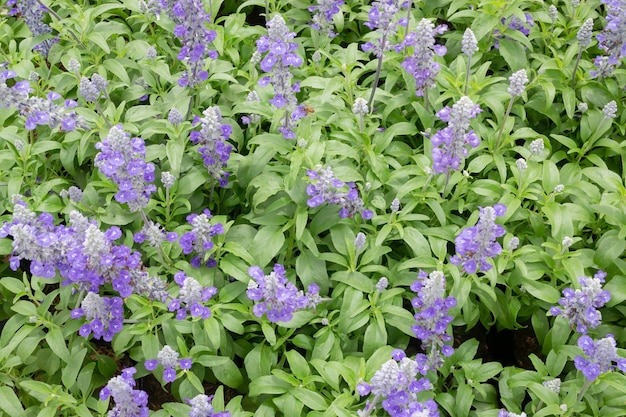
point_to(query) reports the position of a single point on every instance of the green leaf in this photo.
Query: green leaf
(356, 280)
(311, 399)
(10, 403)
(375, 335)
(268, 384)
(268, 332)
(513, 53)
(416, 241)
(298, 365)
(229, 374)
(267, 243)
(610, 247)
(56, 341)
(70, 372)
(617, 287)
(463, 400)
(174, 150)
(542, 291)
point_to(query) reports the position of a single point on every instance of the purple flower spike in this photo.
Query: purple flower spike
(168, 359)
(474, 245)
(323, 16)
(612, 39)
(580, 306)
(199, 241)
(277, 297)
(599, 358)
(191, 298)
(105, 316)
(201, 407)
(450, 145)
(214, 149)
(128, 401)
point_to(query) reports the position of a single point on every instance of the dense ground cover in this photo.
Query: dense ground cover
(320, 208)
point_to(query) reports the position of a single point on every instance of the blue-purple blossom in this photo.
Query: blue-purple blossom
(251, 118)
(579, 306)
(199, 240)
(129, 402)
(450, 144)
(33, 14)
(104, 315)
(517, 84)
(212, 137)
(122, 159)
(469, 44)
(584, 33)
(612, 39)
(600, 357)
(382, 19)
(276, 296)
(191, 20)
(432, 317)
(280, 57)
(474, 245)
(91, 90)
(154, 234)
(37, 110)
(325, 188)
(396, 386)
(191, 298)
(505, 413)
(421, 64)
(168, 359)
(201, 407)
(323, 14)
(515, 23)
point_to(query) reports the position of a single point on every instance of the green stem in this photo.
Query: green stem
(506, 115)
(467, 74)
(377, 76)
(580, 53)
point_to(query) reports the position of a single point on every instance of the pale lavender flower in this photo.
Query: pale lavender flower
(167, 179)
(432, 317)
(105, 316)
(323, 14)
(154, 234)
(584, 33)
(600, 357)
(175, 117)
(214, 149)
(382, 19)
(129, 402)
(580, 306)
(251, 118)
(191, 298)
(73, 65)
(148, 286)
(122, 159)
(382, 284)
(421, 64)
(280, 57)
(505, 413)
(33, 14)
(395, 205)
(360, 240)
(450, 144)
(553, 385)
(325, 188)
(553, 12)
(276, 296)
(360, 106)
(91, 90)
(168, 359)
(201, 407)
(536, 146)
(610, 110)
(199, 240)
(513, 243)
(474, 245)
(521, 164)
(517, 84)
(151, 53)
(469, 44)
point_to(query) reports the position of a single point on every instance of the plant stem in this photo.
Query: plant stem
(506, 115)
(383, 42)
(467, 74)
(580, 53)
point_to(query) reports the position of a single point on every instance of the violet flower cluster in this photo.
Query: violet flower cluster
(432, 317)
(280, 57)
(325, 188)
(122, 159)
(515, 23)
(396, 386)
(191, 298)
(92, 89)
(33, 14)
(323, 14)
(129, 402)
(199, 240)
(276, 296)
(612, 39)
(474, 245)
(201, 407)
(168, 359)
(191, 19)
(104, 315)
(600, 357)
(579, 306)
(154, 234)
(450, 144)
(382, 19)
(37, 110)
(421, 64)
(212, 137)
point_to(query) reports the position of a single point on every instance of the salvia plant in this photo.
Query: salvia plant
(442, 234)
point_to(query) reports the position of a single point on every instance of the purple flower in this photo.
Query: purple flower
(190, 18)
(91, 90)
(33, 14)
(191, 298)
(276, 296)
(580, 306)
(397, 385)
(432, 316)
(450, 143)
(199, 240)
(477, 243)
(214, 149)
(599, 358)
(168, 359)
(104, 314)
(325, 188)
(382, 19)
(280, 56)
(122, 159)
(323, 16)
(613, 38)
(421, 64)
(129, 402)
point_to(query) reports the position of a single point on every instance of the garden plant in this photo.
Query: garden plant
(321, 208)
